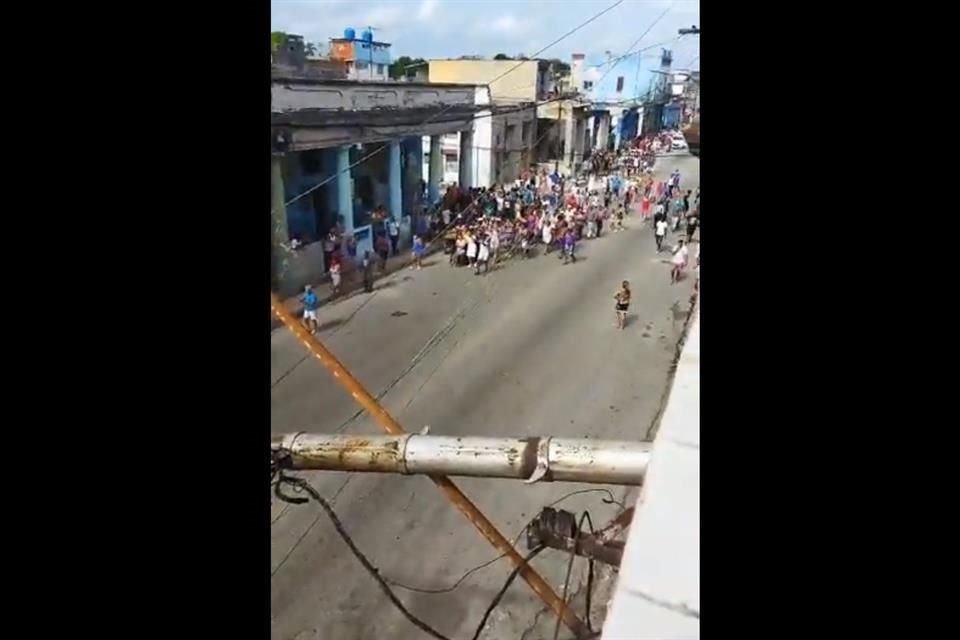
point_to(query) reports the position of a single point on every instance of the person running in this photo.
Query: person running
(645, 207)
(622, 299)
(660, 233)
(679, 261)
(311, 303)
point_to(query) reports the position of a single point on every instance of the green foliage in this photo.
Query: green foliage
(399, 67)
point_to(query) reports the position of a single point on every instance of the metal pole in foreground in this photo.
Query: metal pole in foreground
(531, 459)
(461, 501)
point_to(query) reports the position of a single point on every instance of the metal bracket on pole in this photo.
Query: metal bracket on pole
(543, 461)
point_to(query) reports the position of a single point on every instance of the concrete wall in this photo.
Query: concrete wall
(290, 95)
(519, 85)
(658, 590)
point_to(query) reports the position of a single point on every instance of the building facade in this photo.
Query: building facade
(503, 142)
(346, 152)
(364, 58)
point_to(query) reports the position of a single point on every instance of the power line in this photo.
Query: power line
(516, 538)
(506, 585)
(637, 41)
(448, 107)
(281, 478)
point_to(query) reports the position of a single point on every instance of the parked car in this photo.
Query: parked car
(679, 144)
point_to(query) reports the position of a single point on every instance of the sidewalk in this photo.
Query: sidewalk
(658, 589)
(352, 283)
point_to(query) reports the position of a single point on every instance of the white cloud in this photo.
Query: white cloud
(383, 17)
(506, 25)
(426, 9)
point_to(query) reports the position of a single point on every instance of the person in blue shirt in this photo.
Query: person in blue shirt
(569, 246)
(419, 248)
(311, 303)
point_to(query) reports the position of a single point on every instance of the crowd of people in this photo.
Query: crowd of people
(542, 213)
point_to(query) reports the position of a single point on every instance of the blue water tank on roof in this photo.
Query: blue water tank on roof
(349, 33)
(367, 36)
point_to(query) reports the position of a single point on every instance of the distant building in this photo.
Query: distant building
(504, 145)
(364, 58)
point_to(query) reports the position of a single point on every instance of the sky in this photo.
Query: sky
(453, 28)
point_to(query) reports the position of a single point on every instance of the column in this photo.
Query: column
(577, 129)
(395, 180)
(569, 140)
(466, 159)
(345, 189)
(278, 219)
(436, 169)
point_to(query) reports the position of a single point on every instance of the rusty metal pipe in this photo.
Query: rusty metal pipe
(452, 491)
(557, 459)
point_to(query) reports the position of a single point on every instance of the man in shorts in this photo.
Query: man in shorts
(310, 306)
(622, 299)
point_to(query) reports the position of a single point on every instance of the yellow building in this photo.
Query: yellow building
(529, 82)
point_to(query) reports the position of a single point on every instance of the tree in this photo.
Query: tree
(310, 48)
(502, 56)
(560, 66)
(405, 65)
(276, 39)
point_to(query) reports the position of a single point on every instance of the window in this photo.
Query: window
(451, 165)
(587, 85)
(361, 66)
(379, 69)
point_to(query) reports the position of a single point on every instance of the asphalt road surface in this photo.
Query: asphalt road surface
(529, 349)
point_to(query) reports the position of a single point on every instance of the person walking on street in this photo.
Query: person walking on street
(383, 250)
(660, 233)
(692, 222)
(569, 246)
(367, 266)
(335, 275)
(394, 230)
(418, 250)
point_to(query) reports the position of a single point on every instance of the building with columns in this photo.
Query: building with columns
(344, 151)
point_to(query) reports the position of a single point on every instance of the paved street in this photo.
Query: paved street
(529, 349)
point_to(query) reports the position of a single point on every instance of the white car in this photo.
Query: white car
(679, 144)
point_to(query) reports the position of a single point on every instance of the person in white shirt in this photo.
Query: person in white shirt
(394, 230)
(660, 233)
(679, 261)
(472, 250)
(547, 236)
(446, 218)
(483, 257)
(494, 242)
